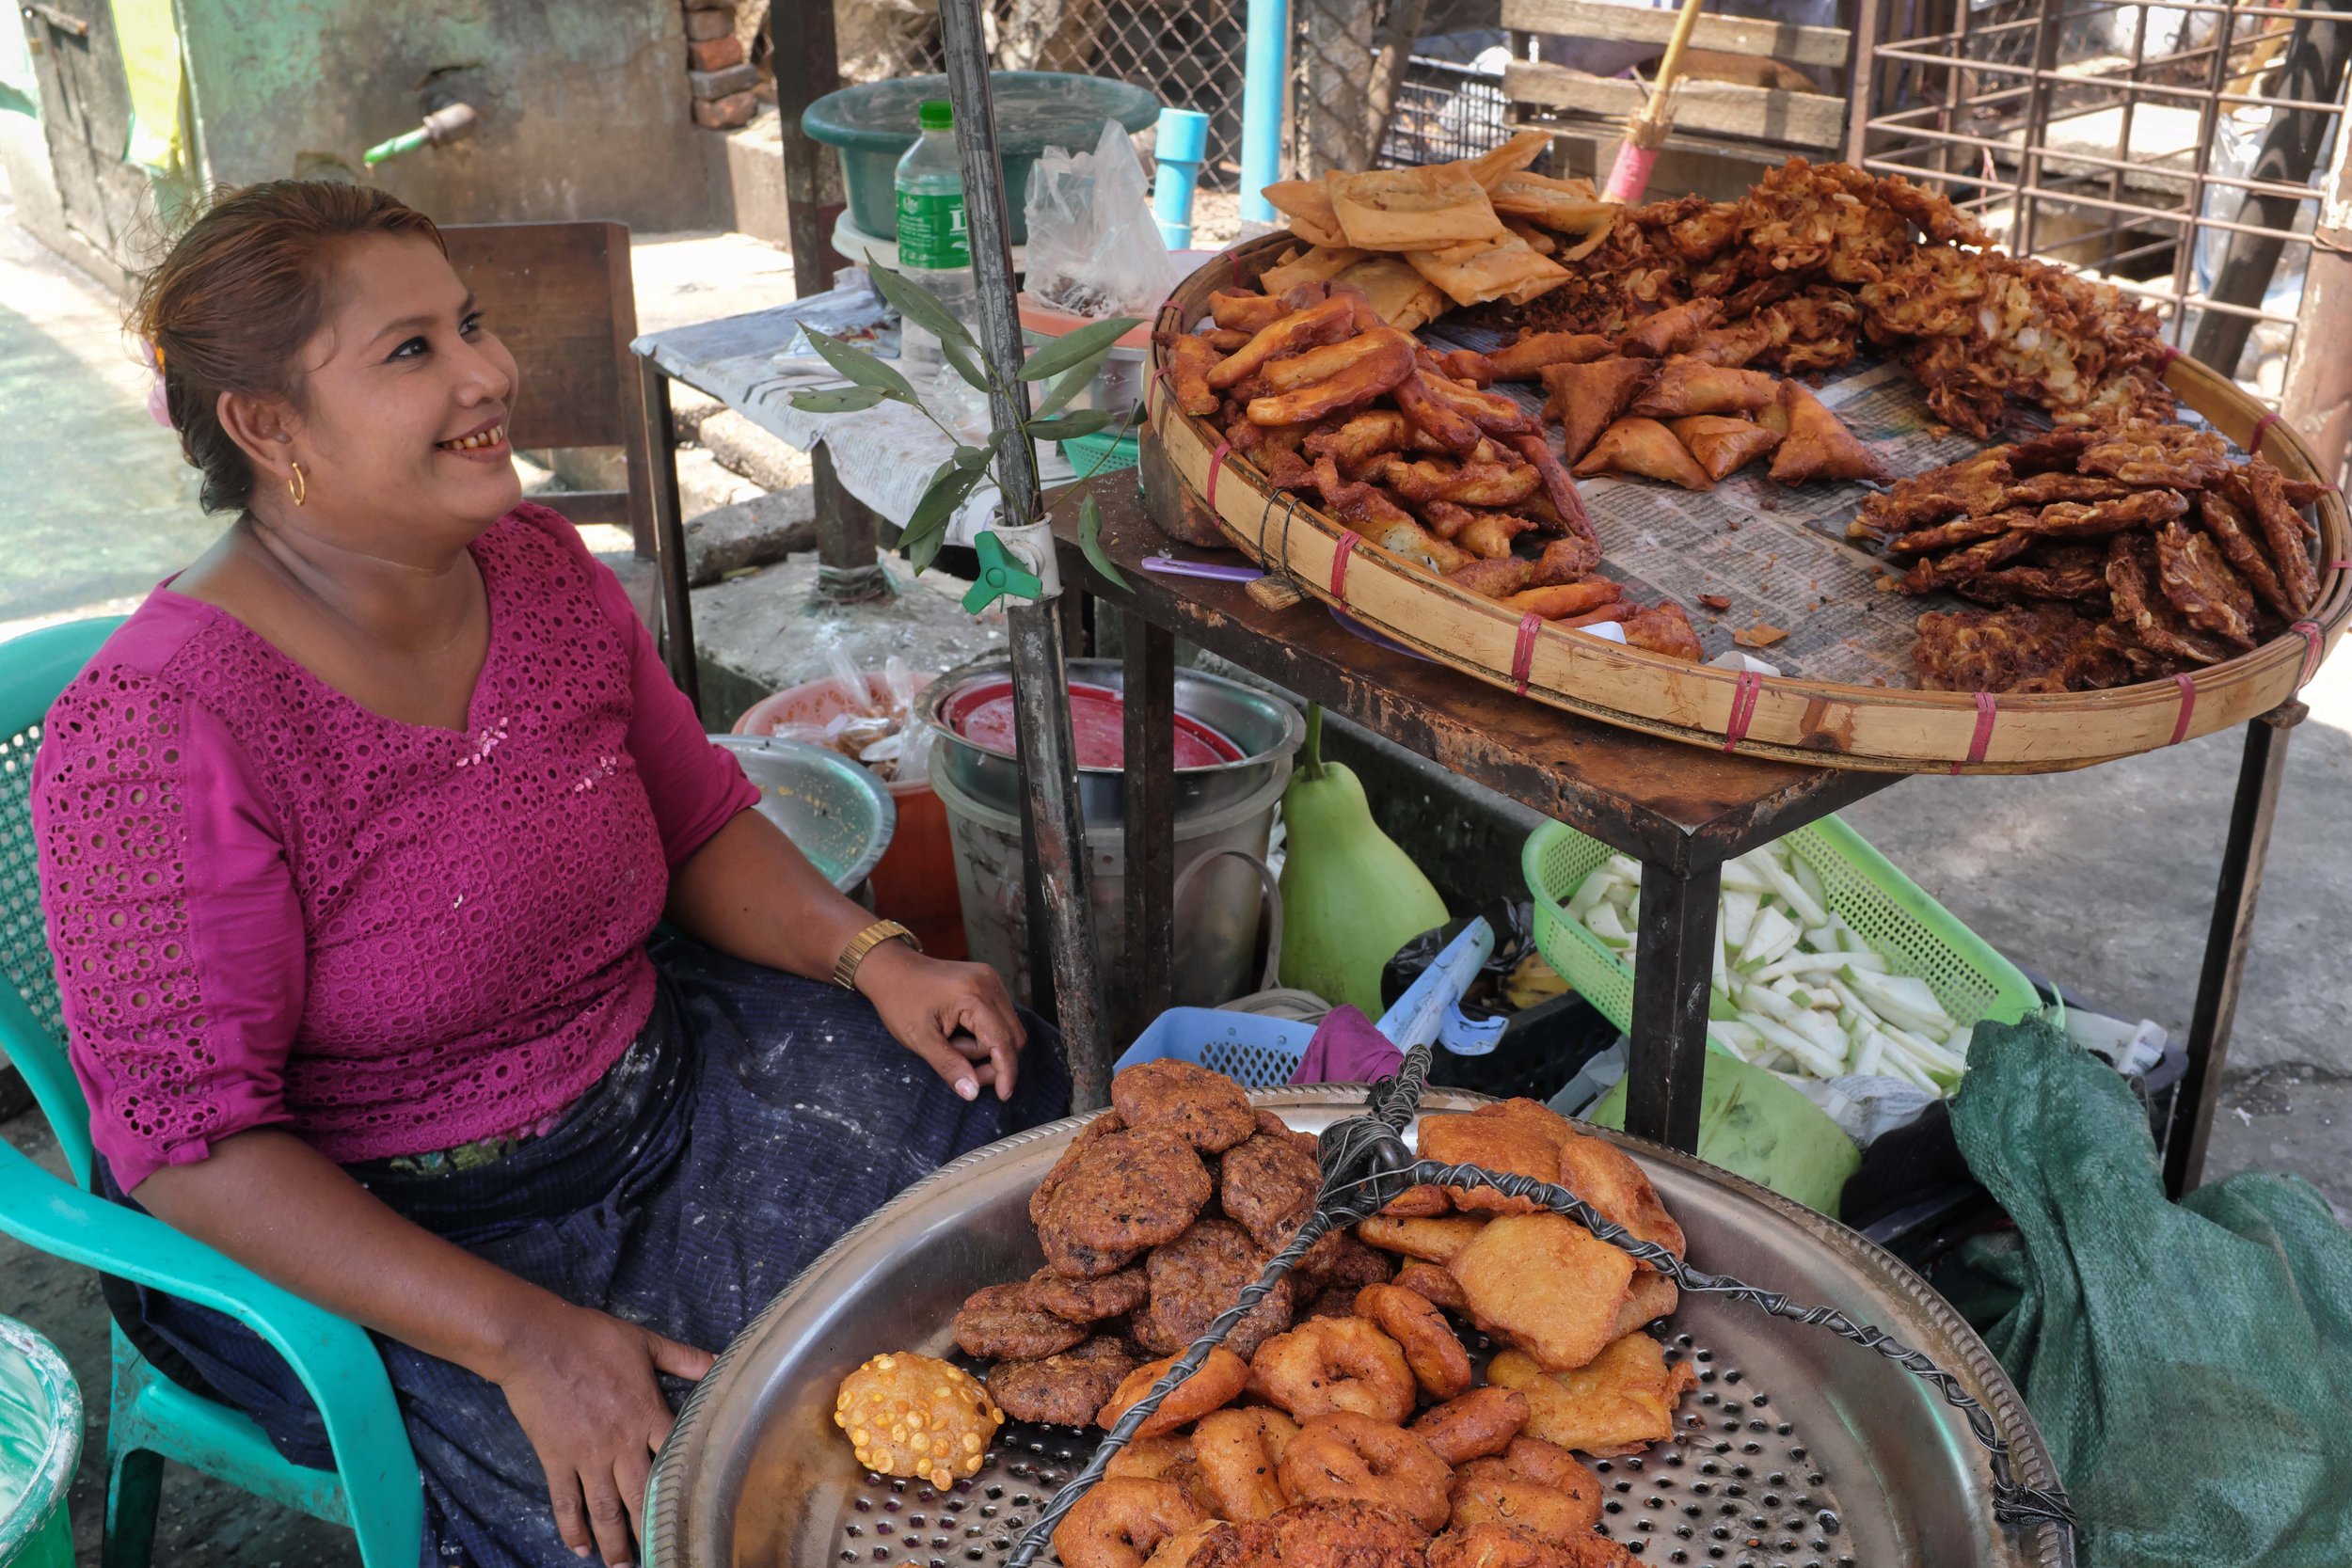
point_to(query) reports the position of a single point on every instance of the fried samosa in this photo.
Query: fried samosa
(1525, 359)
(1818, 446)
(1688, 386)
(1586, 397)
(1647, 448)
(1722, 446)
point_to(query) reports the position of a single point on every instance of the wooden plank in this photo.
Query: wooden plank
(1731, 35)
(1793, 119)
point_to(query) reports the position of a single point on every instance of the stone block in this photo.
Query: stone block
(703, 487)
(726, 113)
(701, 26)
(709, 87)
(714, 53)
(741, 447)
(750, 533)
(688, 408)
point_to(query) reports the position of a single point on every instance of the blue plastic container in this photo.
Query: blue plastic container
(1257, 1052)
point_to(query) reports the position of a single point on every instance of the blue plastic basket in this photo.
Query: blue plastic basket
(1254, 1051)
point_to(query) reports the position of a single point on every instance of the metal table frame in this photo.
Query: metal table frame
(1682, 811)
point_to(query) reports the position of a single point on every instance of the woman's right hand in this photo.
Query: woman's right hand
(581, 1384)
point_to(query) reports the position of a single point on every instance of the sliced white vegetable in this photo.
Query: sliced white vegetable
(1722, 964)
(1604, 924)
(1816, 1060)
(1773, 934)
(1743, 1053)
(1737, 1032)
(1625, 867)
(1740, 877)
(1738, 917)
(1821, 939)
(1591, 891)
(1900, 999)
(1823, 966)
(1810, 880)
(1801, 903)
(1764, 1001)
(1823, 1032)
(1871, 1053)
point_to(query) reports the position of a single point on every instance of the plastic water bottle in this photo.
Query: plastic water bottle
(933, 247)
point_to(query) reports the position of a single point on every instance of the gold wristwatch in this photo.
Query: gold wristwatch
(845, 967)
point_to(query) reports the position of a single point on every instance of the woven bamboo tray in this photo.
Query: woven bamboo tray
(1787, 717)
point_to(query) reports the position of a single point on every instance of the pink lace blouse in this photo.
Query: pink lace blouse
(271, 906)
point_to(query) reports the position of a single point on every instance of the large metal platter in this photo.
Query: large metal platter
(1797, 1448)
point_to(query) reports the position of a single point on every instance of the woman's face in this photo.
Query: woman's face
(401, 428)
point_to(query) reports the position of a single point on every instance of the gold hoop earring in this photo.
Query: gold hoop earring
(300, 486)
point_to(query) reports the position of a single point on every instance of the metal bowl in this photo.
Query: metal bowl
(1796, 1448)
(835, 811)
(1267, 729)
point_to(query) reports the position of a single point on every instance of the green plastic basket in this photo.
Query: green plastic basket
(1914, 934)
(1083, 451)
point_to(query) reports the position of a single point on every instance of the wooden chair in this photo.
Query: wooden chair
(562, 297)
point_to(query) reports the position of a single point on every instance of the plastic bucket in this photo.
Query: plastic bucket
(41, 1442)
(1217, 912)
(915, 882)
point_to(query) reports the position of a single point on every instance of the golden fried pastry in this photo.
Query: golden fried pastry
(1586, 399)
(1431, 1282)
(1649, 1297)
(1722, 446)
(1490, 1492)
(1344, 1455)
(1240, 1455)
(1818, 444)
(1162, 1458)
(1621, 1403)
(1445, 425)
(1671, 331)
(1207, 1541)
(1238, 311)
(1118, 1524)
(1212, 1387)
(2194, 575)
(1437, 1240)
(1545, 1281)
(1645, 448)
(1481, 1422)
(1688, 386)
(1509, 1546)
(910, 1415)
(1374, 363)
(1190, 358)
(1439, 1363)
(2235, 538)
(1328, 1364)
(1558, 488)
(1525, 359)
(1488, 1142)
(1065, 1389)
(1295, 333)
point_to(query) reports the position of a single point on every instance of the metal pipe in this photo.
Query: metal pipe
(1041, 685)
(1266, 72)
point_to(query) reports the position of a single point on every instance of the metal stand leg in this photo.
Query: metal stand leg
(1150, 822)
(2250, 817)
(669, 537)
(846, 570)
(1671, 971)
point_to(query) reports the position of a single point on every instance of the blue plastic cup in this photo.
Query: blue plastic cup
(1182, 142)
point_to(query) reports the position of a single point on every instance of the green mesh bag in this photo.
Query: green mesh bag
(2189, 1364)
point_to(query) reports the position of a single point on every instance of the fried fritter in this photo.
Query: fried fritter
(1434, 1240)
(1497, 579)
(1268, 1181)
(1968, 487)
(1200, 1274)
(1000, 1320)
(1063, 1389)
(1929, 573)
(2031, 648)
(1664, 628)
(2147, 453)
(1490, 1546)
(1545, 1281)
(1101, 1127)
(2235, 536)
(1131, 1190)
(1089, 1301)
(2283, 530)
(2140, 604)
(2096, 519)
(1328, 1532)
(1959, 531)
(1340, 1259)
(1620, 1403)
(1207, 1108)
(2209, 595)
(1490, 1144)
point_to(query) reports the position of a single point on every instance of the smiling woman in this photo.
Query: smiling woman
(354, 839)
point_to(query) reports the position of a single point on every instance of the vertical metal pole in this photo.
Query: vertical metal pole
(1149, 691)
(1673, 968)
(1040, 685)
(846, 570)
(809, 65)
(2251, 814)
(669, 535)
(2029, 201)
(1265, 72)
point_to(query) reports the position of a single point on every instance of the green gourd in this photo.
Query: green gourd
(1350, 896)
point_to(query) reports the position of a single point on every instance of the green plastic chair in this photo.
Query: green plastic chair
(373, 1488)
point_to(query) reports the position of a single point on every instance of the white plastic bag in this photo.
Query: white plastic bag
(1095, 248)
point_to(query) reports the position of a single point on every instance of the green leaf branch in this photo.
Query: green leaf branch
(1069, 365)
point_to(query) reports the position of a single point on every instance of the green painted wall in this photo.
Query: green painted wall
(584, 106)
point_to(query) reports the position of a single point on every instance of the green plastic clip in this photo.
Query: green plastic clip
(1001, 575)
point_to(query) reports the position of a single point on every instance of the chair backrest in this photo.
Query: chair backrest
(562, 297)
(33, 668)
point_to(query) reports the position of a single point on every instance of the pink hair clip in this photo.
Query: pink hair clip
(158, 407)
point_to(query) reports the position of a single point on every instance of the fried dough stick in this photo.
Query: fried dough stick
(1564, 561)
(1443, 423)
(1367, 439)
(1474, 483)
(1586, 399)
(1647, 448)
(1237, 311)
(1564, 600)
(1688, 386)
(1373, 514)
(1327, 323)
(1525, 360)
(1567, 506)
(1323, 362)
(1491, 412)
(1496, 580)
(1386, 359)
(1818, 445)
(1468, 365)
(1190, 358)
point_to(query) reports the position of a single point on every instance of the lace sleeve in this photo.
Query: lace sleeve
(172, 917)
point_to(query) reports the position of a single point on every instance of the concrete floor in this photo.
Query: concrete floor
(2102, 878)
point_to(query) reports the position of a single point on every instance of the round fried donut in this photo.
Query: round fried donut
(1065, 1389)
(1152, 1459)
(1089, 1301)
(1481, 1422)
(1208, 1108)
(1119, 1523)
(1439, 1363)
(1489, 1492)
(1212, 1387)
(1348, 1455)
(1000, 1322)
(1549, 1465)
(1240, 1453)
(1330, 1364)
(1422, 1279)
(1180, 1550)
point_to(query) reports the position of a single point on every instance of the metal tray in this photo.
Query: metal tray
(1797, 1448)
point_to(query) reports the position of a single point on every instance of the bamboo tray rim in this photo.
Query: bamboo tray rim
(1961, 732)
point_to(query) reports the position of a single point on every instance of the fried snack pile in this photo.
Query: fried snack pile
(1344, 1421)
(1818, 258)
(2105, 556)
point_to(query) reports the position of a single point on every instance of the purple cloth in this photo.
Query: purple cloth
(1347, 1049)
(270, 906)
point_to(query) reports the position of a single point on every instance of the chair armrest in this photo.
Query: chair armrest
(336, 1360)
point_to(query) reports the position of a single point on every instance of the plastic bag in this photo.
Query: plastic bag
(1094, 247)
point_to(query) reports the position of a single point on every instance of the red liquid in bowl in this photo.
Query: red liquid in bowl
(982, 714)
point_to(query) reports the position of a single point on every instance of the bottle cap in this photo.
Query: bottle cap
(937, 115)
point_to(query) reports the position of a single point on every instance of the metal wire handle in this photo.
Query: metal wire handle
(1366, 1166)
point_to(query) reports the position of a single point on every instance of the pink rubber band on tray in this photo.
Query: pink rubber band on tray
(2254, 442)
(1164, 379)
(1217, 467)
(1346, 547)
(1750, 685)
(2340, 566)
(1233, 260)
(1629, 177)
(1523, 652)
(2168, 352)
(2188, 706)
(2314, 647)
(1984, 737)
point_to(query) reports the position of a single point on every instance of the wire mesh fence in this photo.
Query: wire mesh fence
(2175, 150)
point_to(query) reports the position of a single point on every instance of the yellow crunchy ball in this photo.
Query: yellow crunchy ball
(910, 1415)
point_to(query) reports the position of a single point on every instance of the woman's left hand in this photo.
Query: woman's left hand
(955, 1016)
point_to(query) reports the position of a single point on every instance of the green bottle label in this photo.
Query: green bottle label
(931, 232)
